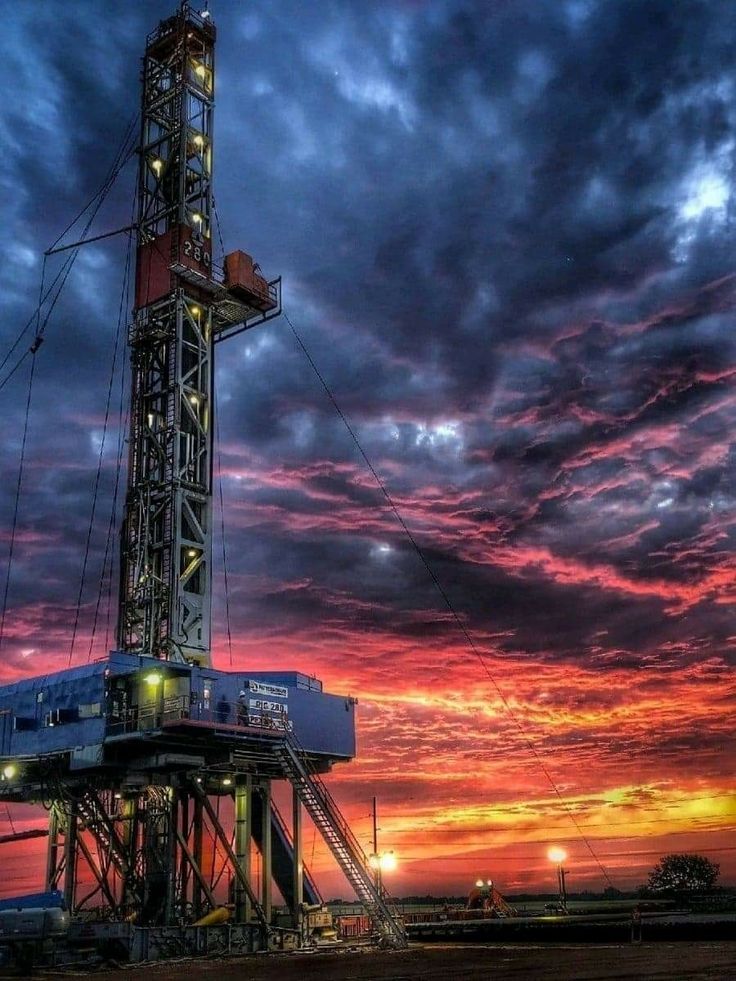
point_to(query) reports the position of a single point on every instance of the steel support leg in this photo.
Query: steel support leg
(242, 845)
(266, 864)
(52, 852)
(130, 832)
(70, 855)
(184, 869)
(172, 854)
(198, 832)
(298, 859)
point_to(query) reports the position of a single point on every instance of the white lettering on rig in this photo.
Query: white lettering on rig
(263, 706)
(270, 722)
(262, 689)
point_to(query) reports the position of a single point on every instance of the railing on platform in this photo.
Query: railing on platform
(153, 715)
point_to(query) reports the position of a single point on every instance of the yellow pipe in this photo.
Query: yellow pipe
(216, 916)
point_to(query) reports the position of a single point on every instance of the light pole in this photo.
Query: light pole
(558, 856)
(380, 862)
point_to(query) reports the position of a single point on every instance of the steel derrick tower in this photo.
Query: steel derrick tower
(184, 305)
(133, 754)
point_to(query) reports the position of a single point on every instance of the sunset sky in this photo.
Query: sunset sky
(506, 231)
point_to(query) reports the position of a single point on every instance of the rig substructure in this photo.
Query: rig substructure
(150, 761)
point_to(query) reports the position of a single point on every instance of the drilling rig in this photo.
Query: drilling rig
(150, 761)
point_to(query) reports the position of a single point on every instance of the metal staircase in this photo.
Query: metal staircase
(88, 812)
(96, 820)
(343, 844)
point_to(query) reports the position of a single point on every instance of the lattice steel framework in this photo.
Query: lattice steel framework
(167, 531)
(184, 305)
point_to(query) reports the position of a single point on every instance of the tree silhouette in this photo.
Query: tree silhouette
(682, 874)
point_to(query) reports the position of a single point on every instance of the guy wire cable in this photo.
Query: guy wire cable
(456, 617)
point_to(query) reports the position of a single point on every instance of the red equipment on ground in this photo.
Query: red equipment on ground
(486, 898)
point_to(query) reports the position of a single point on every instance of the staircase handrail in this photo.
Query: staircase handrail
(376, 891)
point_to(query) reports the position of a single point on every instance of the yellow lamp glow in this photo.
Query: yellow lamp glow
(10, 771)
(388, 862)
(556, 854)
(153, 678)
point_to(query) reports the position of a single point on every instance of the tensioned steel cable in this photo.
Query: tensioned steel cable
(122, 156)
(453, 612)
(102, 190)
(10, 819)
(36, 315)
(113, 538)
(218, 227)
(95, 493)
(219, 477)
(110, 537)
(68, 264)
(222, 535)
(18, 487)
(107, 575)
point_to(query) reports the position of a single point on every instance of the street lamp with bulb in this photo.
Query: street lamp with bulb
(558, 856)
(380, 862)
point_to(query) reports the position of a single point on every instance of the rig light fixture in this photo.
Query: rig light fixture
(556, 854)
(10, 770)
(153, 678)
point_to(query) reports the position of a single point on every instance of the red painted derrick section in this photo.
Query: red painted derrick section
(155, 258)
(243, 278)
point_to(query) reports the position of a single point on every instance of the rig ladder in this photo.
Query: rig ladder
(343, 844)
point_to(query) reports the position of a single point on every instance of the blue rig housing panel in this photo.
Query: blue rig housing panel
(93, 712)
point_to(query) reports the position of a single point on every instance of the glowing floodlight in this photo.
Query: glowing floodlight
(388, 862)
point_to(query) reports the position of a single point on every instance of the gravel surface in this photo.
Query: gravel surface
(456, 962)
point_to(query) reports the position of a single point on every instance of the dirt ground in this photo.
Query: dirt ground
(653, 962)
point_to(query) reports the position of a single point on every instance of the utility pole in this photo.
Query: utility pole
(377, 857)
(184, 305)
(563, 888)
